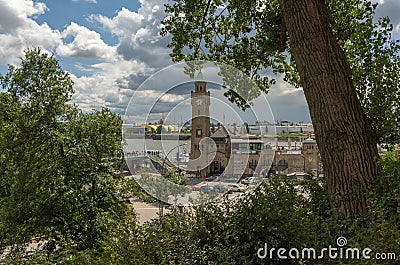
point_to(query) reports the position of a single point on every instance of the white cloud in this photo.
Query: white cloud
(16, 13)
(119, 69)
(104, 86)
(141, 51)
(21, 31)
(288, 102)
(124, 22)
(171, 98)
(86, 44)
(139, 33)
(282, 88)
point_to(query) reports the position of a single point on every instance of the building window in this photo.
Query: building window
(282, 165)
(198, 133)
(198, 112)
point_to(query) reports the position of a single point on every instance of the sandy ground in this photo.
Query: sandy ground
(145, 211)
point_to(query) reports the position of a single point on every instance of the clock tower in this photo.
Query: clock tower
(200, 100)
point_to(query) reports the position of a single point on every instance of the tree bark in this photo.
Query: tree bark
(346, 140)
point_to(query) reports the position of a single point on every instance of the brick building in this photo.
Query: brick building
(240, 156)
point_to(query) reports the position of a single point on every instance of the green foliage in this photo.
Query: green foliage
(222, 232)
(212, 127)
(386, 195)
(94, 189)
(136, 191)
(374, 58)
(7, 131)
(236, 32)
(280, 213)
(159, 129)
(60, 179)
(175, 177)
(161, 187)
(32, 130)
(251, 37)
(41, 87)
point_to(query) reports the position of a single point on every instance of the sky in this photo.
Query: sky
(110, 47)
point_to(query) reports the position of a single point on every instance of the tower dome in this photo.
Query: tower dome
(200, 77)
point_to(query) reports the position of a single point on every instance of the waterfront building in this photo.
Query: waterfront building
(305, 159)
(241, 154)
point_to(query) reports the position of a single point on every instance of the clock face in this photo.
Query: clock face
(198, 102)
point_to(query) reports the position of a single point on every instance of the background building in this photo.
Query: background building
(200, 101)
(305, 159)
(243, 154)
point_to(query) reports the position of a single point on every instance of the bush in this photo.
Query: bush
(279, 214)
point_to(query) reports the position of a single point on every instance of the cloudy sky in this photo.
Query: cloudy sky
(111, 46)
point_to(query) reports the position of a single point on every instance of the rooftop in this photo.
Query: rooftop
(220, 133)
(309, 141)
(246, 140)
(200, 77)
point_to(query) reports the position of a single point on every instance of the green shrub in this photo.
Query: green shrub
(279, 214)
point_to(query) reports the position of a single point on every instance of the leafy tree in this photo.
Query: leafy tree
(60, 168)
(330, 48)
(7, 131)
(373, 57)
(36, 94)
(94, 192)
(231, 232)
(159, 129)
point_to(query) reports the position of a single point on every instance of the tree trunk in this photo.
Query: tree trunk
(345, 137)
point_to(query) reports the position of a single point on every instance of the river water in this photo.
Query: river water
(137, 147)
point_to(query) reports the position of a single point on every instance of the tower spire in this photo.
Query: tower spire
(200, 77)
